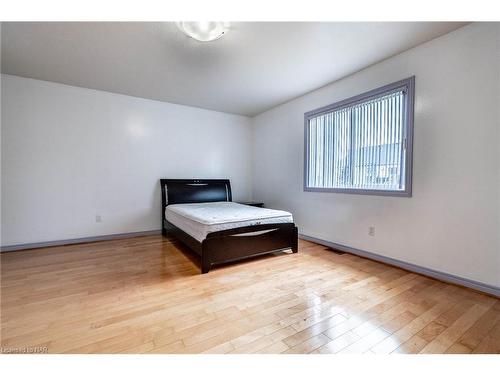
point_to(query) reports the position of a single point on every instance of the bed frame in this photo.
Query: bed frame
(226, 245)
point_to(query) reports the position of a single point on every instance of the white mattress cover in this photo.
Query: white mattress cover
(199, 219)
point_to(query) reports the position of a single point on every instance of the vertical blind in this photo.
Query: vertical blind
(359, 146)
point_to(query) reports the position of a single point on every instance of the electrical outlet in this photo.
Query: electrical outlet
(98, 218)
(371, 231)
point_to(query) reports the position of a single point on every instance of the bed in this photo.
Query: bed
(201, 214)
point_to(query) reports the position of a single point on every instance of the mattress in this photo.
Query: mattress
(200, 219)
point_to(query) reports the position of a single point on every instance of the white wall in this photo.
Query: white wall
(70, 153)
(451, 223)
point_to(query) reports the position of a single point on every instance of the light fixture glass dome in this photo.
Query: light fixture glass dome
(203, 31)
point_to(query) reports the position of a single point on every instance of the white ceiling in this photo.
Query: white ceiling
(254, 67)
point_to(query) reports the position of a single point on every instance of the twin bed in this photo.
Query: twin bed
(201, 214)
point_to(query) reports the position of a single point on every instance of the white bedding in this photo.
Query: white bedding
(199, 219)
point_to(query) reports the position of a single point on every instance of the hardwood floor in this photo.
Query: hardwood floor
(145, 295)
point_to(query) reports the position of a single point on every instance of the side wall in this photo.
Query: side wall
(451, 223)
(69, 154)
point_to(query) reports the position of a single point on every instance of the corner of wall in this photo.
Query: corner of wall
(253, 178)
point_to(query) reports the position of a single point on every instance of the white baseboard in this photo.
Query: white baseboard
(72, 241)
(486, 288)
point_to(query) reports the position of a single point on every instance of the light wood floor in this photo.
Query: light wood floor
(146, 295)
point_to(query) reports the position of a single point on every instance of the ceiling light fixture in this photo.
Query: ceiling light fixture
(203, 31)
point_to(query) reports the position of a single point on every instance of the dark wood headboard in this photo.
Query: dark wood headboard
(175, 191)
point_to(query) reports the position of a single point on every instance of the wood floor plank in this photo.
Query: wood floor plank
(365, 343)
(276, 348)
(491, 342)
(458, 348)
(418, 324)
(450, 335)
(146, 295)
(412, 346)
(339, 343)
(479, 330)
(309, 345)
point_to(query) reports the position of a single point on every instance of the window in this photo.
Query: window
(363, 144)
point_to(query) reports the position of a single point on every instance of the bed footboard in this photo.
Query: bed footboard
(244, 242)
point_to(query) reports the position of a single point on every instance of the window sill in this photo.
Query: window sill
(387, 193)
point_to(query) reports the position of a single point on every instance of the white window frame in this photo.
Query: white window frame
(408, 85)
